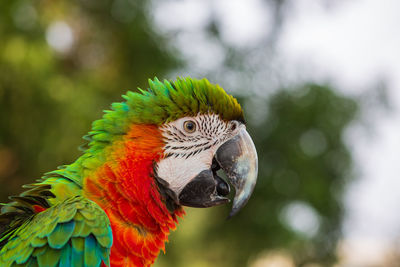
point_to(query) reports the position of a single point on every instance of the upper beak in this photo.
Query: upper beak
(237, 157)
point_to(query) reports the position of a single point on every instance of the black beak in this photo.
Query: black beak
(237, 157)
(202, 191)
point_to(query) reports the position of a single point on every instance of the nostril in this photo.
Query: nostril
(222, 187)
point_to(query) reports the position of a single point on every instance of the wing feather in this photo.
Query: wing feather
(75, 232)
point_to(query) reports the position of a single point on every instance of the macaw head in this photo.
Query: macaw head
(203, 131)
(196, 147)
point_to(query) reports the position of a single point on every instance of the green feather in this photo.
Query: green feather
(38, 242)
(65, 260)
(61, 234)
(24, 255)
(39, 251)
(91, 254)
(49, 239)
(50, 258)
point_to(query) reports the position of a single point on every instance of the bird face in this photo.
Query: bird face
(195, 149)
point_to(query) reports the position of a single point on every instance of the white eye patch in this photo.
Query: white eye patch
(187, 151)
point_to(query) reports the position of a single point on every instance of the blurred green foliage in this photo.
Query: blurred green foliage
(49, 97)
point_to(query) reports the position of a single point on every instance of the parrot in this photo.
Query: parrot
(148, 157)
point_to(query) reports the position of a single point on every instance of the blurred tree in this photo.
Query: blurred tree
(61, 63)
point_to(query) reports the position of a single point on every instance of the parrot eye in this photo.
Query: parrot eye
(189, 126)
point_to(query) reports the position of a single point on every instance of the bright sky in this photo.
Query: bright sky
(357, 43)
(354, 44)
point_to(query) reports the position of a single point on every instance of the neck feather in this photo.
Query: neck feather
(125, 188)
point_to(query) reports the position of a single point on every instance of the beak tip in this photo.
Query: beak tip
(232, 213)
(238, 204)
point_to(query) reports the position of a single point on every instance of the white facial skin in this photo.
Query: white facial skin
(190, 150)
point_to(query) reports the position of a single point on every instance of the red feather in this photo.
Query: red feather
(125, 188)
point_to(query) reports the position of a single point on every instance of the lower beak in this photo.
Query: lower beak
(237, 157)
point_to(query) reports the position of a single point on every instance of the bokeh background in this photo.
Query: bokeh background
(319, 81)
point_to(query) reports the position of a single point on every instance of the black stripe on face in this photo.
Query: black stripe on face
(210, 131)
